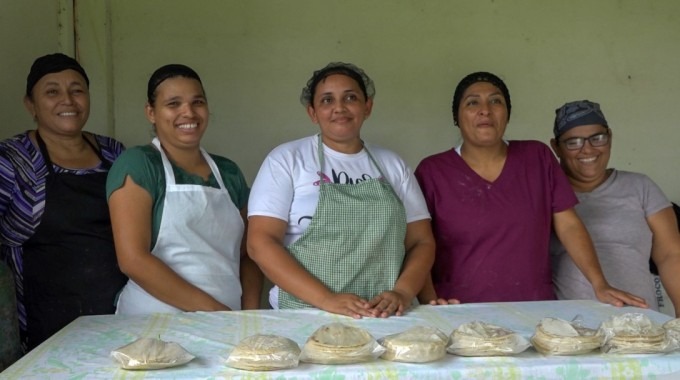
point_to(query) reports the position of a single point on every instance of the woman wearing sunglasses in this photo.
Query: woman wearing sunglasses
(627, 215)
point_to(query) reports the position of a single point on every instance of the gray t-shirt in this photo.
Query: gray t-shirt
(615, 215)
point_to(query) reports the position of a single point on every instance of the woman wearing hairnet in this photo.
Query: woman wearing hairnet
(336, 223)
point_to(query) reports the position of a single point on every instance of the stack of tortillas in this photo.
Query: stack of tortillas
(554, 336)
(419, 344)
(264, 353)
(151, 353)
(672, 328)
(633, 333)
(484, 339)
(337, 343)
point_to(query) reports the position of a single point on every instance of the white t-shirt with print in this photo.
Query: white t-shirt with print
(287, 184)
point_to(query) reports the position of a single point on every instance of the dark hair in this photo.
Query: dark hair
(469, 80)
(365, 83)
(167, 72)
(51, 63)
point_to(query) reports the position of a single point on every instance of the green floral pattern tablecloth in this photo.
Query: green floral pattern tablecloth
(81, 350)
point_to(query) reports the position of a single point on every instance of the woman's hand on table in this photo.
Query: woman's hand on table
(616, 297)
(428, 296)
(347, 304)
(388, 303)
(442, 301)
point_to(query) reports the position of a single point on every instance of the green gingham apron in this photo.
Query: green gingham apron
(355, 241)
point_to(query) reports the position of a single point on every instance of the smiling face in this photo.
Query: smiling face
(482, 115)
(340, 108)
(179, 112)
(60, 103)
(586, 167)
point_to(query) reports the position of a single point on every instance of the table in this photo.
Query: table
(81, 350)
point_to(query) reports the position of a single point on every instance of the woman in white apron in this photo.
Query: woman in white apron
(337, 224)
(177, 211)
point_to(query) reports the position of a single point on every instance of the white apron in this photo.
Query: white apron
(199, 238)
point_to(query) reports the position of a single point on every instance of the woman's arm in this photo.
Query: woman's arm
(427, 294)
(576, 240)
(415, 271)
(7, 182)
(131, 207)
(265, 247)
(666, 252)
(250, 274)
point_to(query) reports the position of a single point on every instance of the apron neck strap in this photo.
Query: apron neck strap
(48, 161)
(321, 159)
(168, 169)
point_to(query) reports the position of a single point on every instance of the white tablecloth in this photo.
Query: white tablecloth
(81, 350)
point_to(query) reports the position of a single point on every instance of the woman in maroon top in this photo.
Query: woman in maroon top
(493, 203)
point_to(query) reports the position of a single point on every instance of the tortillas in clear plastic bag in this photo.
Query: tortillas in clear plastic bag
(264, 353)
(484, 339)
(419, 344)
(554, 336)
(337, 343)
(672, 328)
(634, 333)
(151, 353)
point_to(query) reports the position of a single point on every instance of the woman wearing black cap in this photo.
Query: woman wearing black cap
(55, 231)
(178, 212)
(493, 204)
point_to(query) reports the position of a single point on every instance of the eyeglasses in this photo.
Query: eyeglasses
(596, 140)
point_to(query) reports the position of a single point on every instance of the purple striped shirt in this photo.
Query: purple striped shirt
(22, 198)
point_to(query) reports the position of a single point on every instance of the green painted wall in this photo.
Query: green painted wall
(256, 55)
(28, 29)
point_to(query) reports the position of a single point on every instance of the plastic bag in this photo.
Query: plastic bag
(634, 333)
(151, 353)
(337, 343)
(419, 344)
(484, 339)
(672, 328)
(554, 336)
(264, 353)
